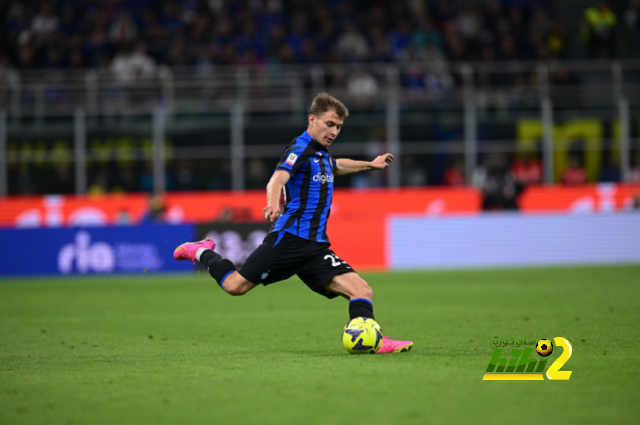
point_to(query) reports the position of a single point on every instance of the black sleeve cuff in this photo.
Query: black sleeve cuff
(285, 169)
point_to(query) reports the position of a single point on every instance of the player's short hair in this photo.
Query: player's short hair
(325, 102)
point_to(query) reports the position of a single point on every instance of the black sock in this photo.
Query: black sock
(217, 266)
(360, 307)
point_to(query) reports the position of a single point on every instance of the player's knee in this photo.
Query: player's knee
(232, 286)
(236, 286)
(235, 291)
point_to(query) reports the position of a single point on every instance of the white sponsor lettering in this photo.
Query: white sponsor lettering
(102, 257)
(323, 178)
(98, 257)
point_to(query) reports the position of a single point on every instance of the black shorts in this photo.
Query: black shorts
(313, 262)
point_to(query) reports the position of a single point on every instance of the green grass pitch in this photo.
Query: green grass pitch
(175, 349)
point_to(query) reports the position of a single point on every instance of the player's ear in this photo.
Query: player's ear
(312, 119)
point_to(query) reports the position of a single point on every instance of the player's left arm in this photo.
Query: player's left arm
(349, 166)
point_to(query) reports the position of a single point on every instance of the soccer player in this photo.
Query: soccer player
(298, 242)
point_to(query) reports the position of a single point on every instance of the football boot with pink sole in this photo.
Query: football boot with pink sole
(393, 346)
(187, 251)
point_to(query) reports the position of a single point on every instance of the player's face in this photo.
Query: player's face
(325, 128)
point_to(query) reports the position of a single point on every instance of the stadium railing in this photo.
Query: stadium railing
(423, 110)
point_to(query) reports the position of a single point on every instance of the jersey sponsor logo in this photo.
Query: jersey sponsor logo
(323, 178)
(291, 159)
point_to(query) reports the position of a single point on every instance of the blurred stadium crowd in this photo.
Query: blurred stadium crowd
(90, 33)
(131, 39)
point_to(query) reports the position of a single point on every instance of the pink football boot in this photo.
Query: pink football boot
(393, 346)
(187, 251)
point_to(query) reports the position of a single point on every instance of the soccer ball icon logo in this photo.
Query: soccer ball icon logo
(362, 336)
(544, 347)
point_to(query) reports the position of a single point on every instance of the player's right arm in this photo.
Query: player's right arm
(273, 210)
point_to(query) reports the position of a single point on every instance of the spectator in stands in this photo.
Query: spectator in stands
(380, 50)
(634, 171)
(155, 212)
(574, 174)
(562, 76)
(541, 23)
(598, 30)
(123, 29)
(184, 176)
(250, 32)
(25, 182)
(54, 59)
(133, 65)
(362, 86)
(100, 185)
(426, 36)
(454, 174)
(176, 56)
(611, 170)
(325, 39)
(438, 82)
(17, 23)
(469, 24)
(123, 218)
(96, 46)
(527, 169)
(26, 59)
(220, 178)
(257, 174)
(45, 22)
(556, 40)
(8, 77)
(632, 22)
(399, 41)
(308, 52)
(61, 180)
(352, 45)
(414, 81)
(339, 81)
(275, 40)
(412, 174)
(126, 181)
(495, 179)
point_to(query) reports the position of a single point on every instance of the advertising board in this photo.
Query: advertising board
(93, 250)
(513, 240)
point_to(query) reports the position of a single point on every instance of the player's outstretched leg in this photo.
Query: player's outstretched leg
(221, 269)
(360, 296)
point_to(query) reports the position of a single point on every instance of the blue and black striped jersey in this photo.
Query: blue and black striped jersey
(309, 192)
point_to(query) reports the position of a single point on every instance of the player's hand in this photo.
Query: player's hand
(272, 213)
(381, 162)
